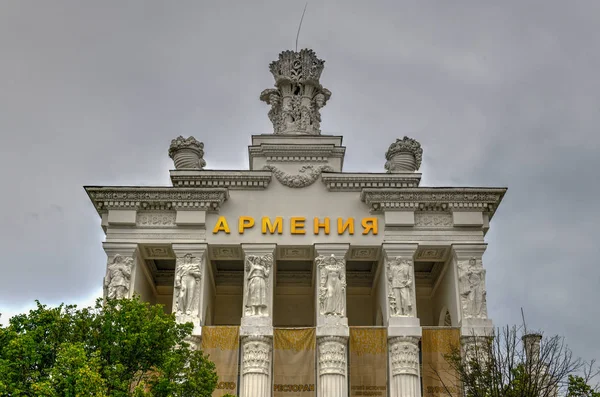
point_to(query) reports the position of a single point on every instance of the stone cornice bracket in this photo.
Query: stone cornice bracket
(154, 198)
(298, 97)
(232, 180)
(307, 175)
(434, 199)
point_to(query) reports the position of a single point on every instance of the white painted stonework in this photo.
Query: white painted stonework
(294, 241)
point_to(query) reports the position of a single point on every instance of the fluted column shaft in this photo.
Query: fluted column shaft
(404, 360)
(256, 366)
(332, 366)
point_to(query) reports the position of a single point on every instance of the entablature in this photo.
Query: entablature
(234, 180)
(434, 199)
(156, 198)
(356, 182)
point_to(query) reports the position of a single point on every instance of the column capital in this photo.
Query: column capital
(195, 249)
(467, 251)
(332, 249)
(400, 249)
(258, 249)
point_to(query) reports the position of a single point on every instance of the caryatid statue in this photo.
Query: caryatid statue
(187, 282)
(258, 269)
(473, 295)
(118, 277)
(332, 286)
(400, 279)
(298, 97)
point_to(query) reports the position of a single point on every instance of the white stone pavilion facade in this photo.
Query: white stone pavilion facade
(294, 241)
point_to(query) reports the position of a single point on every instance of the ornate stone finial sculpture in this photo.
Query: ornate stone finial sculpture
(332, 285)
(118, 277)
(471, 275)
(298, 96)
(187, 284)
(187, 153)
(257, 278)
(404, 155)
(400, 282)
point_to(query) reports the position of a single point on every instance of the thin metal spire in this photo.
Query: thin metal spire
(299, 26)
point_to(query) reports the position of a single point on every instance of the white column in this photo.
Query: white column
(404, 365)
(404, 328)
(191, 274)
(256, 328)
(332, 322)
(256, 366)
(121, 268)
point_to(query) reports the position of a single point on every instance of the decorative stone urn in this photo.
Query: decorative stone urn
(187, 154)
(404, 155)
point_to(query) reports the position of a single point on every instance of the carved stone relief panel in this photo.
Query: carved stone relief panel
(400, 278)
(471, 277)
(332, 285)
(257, 271)
(117, 281)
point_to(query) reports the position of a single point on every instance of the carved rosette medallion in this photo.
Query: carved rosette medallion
(118, 277)
(332, 355)
(307, 175)
(298, 97)
(471, 277)
(256, 355)
(257, 271)
(404, 351)
(332, 285)
(188, 276)
(400, 286)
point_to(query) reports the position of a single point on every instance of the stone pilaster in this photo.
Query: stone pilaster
(256, 366)
(191, 278)
(404, 366)
(404, 328)
(121, 269)
(256, 328)
(470, 279)
(332, 321)
(259, 288)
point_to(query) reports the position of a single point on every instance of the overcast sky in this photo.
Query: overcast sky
(498, 93)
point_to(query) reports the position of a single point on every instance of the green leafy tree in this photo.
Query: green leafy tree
(118, 348)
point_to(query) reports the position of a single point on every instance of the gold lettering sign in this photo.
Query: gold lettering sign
(298, 225)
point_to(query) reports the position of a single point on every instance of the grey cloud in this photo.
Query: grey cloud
(499, 94)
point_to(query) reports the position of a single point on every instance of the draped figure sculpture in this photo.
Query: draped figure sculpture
(257, 273)
(118, 277)
(473, 296)
(187, 283)
(332, 289)
(400, 282)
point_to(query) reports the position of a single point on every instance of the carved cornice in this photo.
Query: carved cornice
(234, 180)
(434, 199)
(355, 182)
(150, 198)
(296, 153)
(307, 175)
